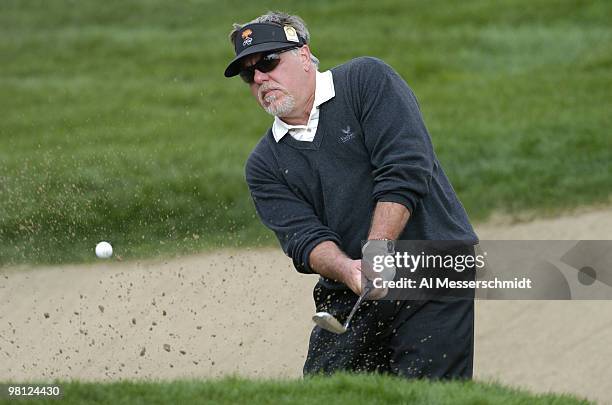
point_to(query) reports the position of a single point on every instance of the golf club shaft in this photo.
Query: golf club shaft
(364, 294)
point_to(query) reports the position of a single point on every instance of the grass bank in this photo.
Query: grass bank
(118, 125)
(339, 389)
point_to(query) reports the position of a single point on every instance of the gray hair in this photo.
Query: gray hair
(281, 18)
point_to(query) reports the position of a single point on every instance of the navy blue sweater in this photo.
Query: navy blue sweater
(371, 145)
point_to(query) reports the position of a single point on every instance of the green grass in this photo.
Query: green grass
(339, 389)
(117, 123)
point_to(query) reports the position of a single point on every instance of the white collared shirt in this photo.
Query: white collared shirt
(324, 91)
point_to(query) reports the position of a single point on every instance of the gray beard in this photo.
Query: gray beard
(282, 108)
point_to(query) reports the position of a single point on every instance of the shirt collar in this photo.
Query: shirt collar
(324, 91)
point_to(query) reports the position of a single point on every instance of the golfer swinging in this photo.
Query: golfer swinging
(348, 158)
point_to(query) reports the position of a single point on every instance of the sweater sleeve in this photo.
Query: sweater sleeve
(292, 219)
(399, 145)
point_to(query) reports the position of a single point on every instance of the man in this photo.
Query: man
(348, 158)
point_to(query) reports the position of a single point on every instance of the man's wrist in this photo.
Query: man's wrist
(344, 265)
(328, 260)
(375, 237)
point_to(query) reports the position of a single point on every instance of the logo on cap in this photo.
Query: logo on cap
(291, 33)
(246, 36)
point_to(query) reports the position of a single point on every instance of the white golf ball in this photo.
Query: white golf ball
(104, 250)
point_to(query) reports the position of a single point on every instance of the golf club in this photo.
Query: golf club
(328, 322)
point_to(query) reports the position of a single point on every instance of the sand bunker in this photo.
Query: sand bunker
(248, 313)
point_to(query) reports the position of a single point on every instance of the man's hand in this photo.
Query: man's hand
(357, 279)
(329, 261)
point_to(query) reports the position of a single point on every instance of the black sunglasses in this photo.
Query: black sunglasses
(267, 63)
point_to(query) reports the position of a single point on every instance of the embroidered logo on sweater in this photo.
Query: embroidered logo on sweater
(348, 135)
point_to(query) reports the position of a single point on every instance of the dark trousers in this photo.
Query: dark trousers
(415, 339)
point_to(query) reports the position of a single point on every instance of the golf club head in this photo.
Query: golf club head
(327, 321)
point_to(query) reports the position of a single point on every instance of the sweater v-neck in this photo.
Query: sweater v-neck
(315, 144)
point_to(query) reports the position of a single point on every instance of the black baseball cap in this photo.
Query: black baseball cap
(262, 37)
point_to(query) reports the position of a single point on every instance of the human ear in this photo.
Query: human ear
(305, 58)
